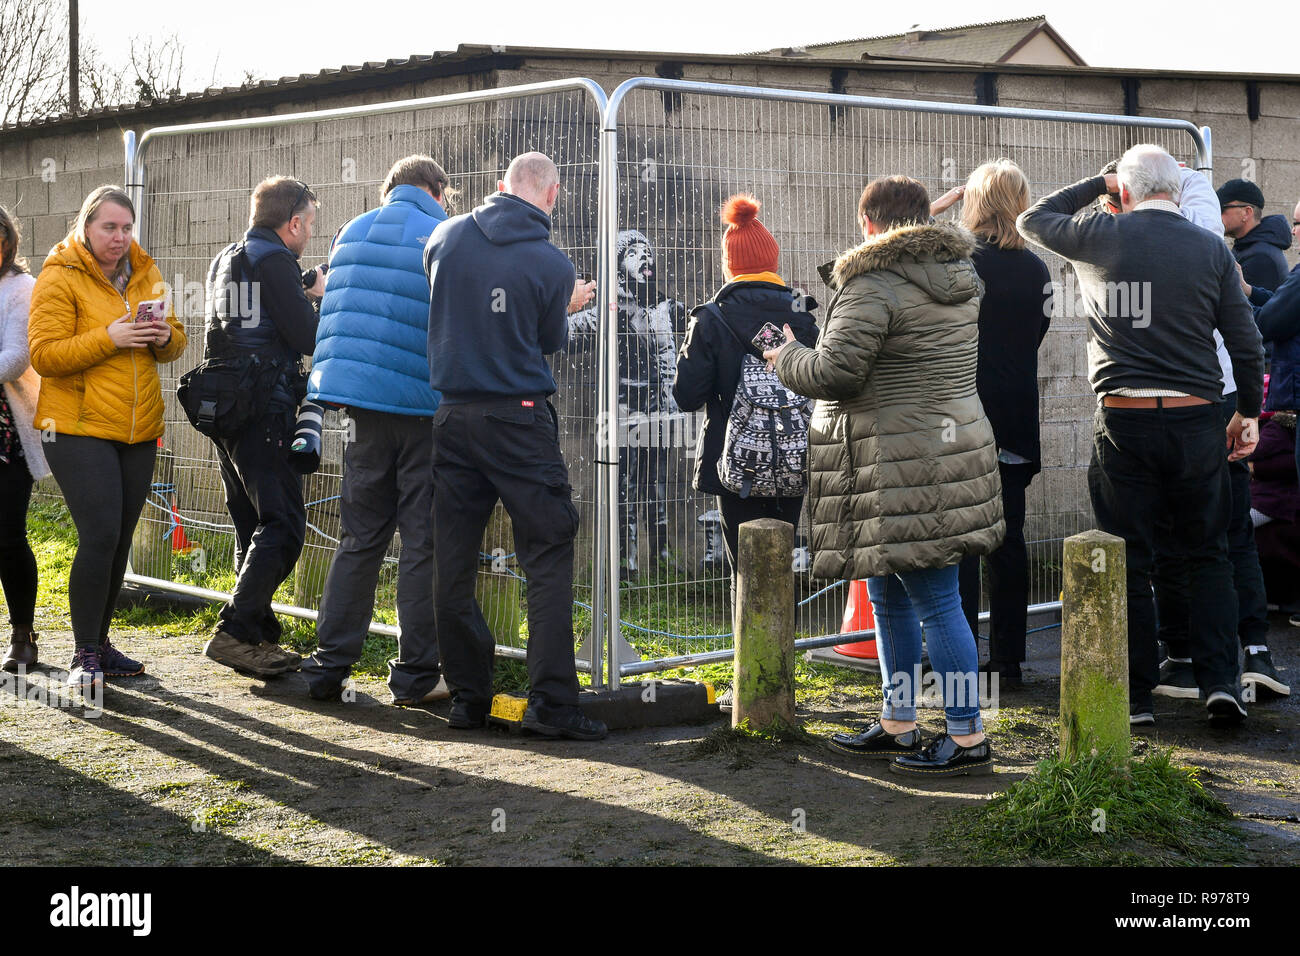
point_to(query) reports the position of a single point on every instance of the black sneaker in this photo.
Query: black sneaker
(1259, 670)
(464, 716)
(1224, 708)
(1177, 679)
(115, 663)
(568, 722)
(1294, 620)
(1141, 713)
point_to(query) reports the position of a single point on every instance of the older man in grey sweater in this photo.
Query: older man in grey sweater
(1155, 289)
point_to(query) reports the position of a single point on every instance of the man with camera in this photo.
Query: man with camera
(260, 322)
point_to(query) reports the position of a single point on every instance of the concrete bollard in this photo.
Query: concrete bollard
(764, 626)
(1094, 647)
(496, 588)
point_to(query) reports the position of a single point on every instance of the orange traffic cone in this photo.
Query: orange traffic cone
(858, 617)
(180, 543)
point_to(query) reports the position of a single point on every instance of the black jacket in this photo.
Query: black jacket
(1278, 316)
(256, 305)
(708, 366)
(1261, 252)
(1014, 314)
(499, 302)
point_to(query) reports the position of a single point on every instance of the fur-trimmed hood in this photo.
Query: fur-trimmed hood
(935, 257)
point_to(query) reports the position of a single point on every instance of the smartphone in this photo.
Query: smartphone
(768, 337)
(155, 311)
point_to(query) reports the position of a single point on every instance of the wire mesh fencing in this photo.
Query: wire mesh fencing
(643, 179)
(195, 183)
(681, 149)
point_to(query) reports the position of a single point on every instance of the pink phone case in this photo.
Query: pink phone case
(155, 311)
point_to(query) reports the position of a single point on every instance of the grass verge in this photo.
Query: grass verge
(1094, 811)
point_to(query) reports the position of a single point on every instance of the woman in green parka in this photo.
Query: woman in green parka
(903, 469)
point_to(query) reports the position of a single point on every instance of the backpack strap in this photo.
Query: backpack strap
(715, 309)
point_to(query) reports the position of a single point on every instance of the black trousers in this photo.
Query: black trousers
(104, 484)
(264, 497)
(1008, 574)
(1171, 572)
(736, 511)
(1149, 462)
(510, 450)
(17, 563)
(386, 487)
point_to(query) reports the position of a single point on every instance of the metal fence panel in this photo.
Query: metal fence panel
(679, 150)
(193, 186)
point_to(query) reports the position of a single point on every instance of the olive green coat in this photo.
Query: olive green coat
(903, 470)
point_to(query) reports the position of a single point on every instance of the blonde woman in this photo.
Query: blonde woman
(99, 326)
(21, 459)
(1014, 315)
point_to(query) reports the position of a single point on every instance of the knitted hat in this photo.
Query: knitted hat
(1240, 190)
(747, 246)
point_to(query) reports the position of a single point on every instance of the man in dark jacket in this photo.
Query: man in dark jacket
(1156, 287)
(500, 294)
(1258, 241)
(1278, 316)
(257, 308)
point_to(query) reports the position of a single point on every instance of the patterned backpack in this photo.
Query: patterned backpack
(765, 448)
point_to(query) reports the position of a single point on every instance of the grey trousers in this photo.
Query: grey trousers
(387, 484)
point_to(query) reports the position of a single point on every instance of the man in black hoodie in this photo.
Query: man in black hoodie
(500, 294)
(1259, 242)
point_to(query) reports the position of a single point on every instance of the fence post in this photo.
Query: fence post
(764, 626)
(498, 593)
(1094, 647)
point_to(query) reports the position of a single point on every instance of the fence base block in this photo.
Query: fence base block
(659, 703)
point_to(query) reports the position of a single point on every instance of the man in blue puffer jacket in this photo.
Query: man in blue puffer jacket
(372, 359)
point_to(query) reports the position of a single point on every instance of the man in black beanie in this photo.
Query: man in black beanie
(1259, 242)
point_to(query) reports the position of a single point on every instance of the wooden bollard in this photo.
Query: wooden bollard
(497, 589)
(764, 626)
(1094, 647)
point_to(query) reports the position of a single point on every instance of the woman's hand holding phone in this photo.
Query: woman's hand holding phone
(126, 334)
(153, 315)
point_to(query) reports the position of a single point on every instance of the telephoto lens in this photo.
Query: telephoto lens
(304, 453)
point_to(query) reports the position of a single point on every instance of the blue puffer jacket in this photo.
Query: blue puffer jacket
(371, 347)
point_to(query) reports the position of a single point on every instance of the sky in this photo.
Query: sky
(274, 40)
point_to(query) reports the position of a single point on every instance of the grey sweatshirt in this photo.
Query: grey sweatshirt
(1155, 287)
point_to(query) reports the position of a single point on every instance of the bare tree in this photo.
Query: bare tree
(158, 66)
(101, 85)
(33, 59)
(34, 65)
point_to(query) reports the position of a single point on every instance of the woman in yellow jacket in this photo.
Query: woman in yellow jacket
(95, 339)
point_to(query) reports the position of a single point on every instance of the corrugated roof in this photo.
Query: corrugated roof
(469, 57)
(329, 76)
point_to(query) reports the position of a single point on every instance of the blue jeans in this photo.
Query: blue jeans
(902, 602)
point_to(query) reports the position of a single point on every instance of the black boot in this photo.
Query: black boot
(21, 652)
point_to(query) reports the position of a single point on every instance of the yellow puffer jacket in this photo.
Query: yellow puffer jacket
(88, 385)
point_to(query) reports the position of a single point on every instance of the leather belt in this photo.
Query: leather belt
(1165, 401)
